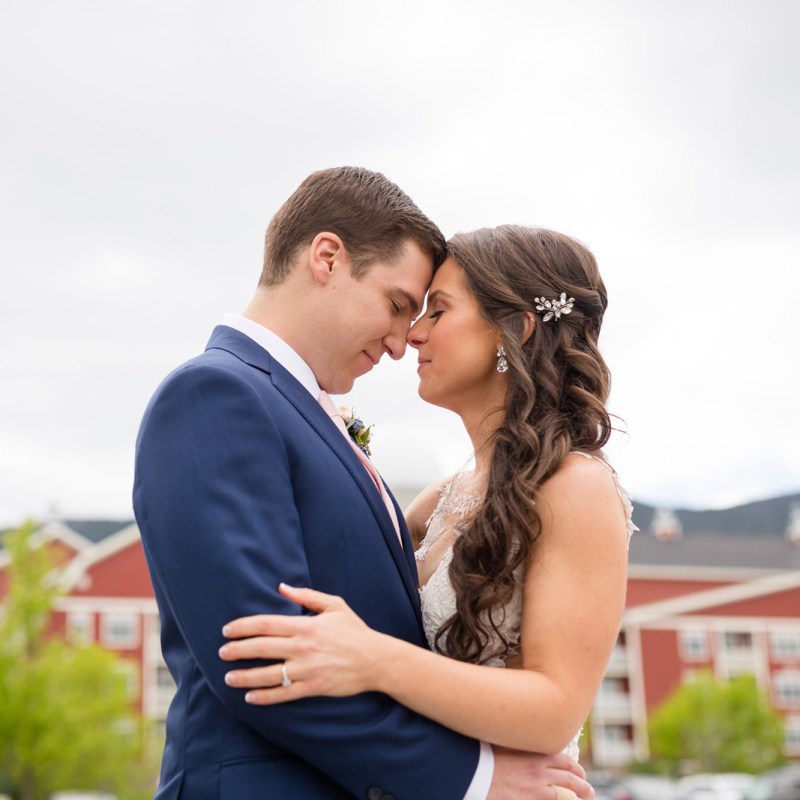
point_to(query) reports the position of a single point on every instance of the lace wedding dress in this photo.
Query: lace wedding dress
(437, 595)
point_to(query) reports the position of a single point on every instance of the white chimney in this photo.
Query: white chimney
(666, 526)
(793, 524)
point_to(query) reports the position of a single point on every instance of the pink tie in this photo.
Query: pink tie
(325, 401)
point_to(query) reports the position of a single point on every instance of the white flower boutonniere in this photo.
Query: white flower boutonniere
(360, 433)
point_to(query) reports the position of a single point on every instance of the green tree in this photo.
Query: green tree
(720, 726)
(65, 716)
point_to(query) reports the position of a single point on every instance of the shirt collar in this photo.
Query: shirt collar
(277, 348)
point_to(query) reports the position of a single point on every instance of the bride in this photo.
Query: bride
(522, 559)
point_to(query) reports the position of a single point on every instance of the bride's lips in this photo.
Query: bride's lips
(422, 362)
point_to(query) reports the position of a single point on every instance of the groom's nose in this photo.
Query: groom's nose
(395, 344)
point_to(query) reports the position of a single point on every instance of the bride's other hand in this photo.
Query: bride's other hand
(329, 654)
(537, 777)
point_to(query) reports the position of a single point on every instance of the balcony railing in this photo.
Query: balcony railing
(611, 753)
(612, 706)
(618, 663)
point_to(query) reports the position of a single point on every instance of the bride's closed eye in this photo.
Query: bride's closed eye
(435, 314)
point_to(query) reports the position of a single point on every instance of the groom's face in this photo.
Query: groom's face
(370, 316)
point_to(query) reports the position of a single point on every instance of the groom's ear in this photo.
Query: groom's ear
(326, 254)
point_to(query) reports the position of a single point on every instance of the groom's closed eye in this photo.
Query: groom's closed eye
(403, 302)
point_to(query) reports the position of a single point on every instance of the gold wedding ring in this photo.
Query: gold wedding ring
(287, 681)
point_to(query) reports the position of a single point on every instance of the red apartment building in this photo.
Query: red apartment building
(109, 601)
(729, 603)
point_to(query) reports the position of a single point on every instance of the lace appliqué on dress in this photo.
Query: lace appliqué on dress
(437, 597)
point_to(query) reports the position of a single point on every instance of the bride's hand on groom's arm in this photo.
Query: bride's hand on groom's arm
(329, 654)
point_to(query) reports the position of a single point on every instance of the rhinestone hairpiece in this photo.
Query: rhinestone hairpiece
(555, 307)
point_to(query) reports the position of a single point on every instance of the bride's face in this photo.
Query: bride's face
(457, 347)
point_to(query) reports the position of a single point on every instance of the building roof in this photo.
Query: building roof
(95, 530)
(89, 532)
(758, 551)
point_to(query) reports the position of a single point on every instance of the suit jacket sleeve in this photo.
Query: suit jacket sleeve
(214, 500)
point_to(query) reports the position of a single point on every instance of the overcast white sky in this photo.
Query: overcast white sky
(144, 146)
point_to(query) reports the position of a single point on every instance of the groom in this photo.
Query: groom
(244, 480)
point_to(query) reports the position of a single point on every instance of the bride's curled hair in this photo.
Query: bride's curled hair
(557, 390)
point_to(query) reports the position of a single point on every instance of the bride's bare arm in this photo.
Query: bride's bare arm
(420, 509)
(573, 600)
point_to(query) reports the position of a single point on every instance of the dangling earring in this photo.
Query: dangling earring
(502, 364)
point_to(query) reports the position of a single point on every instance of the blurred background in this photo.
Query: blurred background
(144, 147)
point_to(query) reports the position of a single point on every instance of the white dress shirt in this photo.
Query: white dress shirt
(294, 364)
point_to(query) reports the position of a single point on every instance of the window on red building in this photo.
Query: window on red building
(694, 645)
(786, 688)
(738, 640)
(793, 735)
(785, 645)
(119, 631)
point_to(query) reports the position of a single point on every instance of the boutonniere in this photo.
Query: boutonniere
(357, 430)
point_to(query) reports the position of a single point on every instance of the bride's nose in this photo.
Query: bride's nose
(417, 334)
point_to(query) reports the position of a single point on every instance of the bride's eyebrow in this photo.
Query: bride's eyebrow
(438, 293)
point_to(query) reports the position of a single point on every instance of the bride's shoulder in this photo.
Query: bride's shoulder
(584, 493)
(581, 481)
(422, 506)
(579, 464)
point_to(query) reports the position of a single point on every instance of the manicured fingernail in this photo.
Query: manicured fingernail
(226, 629)
(230, 678)
(223, 651)
(283, 585)
(249, 698)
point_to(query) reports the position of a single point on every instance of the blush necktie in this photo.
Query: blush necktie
(330, 409)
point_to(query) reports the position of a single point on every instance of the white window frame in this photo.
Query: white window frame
(786, 688)
(784, 646)
(792, 734)
(695, 644)
(112, 638)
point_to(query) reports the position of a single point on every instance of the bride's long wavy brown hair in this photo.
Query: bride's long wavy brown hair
(557, 390)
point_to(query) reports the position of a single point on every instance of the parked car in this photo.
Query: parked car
(651, 787)
(715, 786)
(607, 787)
(777, 784)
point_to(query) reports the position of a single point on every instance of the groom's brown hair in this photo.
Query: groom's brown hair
(372, 216)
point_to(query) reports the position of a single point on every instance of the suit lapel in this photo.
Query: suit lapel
(408, 552)
(247, 350)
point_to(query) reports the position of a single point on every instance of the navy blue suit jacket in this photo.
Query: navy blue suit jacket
(243, 481)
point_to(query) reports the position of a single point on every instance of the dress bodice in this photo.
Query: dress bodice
(437, 595)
